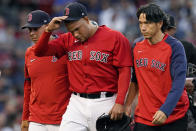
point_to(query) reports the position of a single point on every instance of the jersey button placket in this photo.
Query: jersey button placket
(85, 70)
(85, 54)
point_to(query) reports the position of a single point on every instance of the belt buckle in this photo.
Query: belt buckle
(103, 95)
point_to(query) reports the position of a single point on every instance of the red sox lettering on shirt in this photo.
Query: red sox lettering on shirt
(93, 64)
(46, 93)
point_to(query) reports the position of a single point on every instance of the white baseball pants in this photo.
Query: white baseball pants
(82, 113)
(33, 126)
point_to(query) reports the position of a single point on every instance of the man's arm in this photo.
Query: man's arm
(178, 73)
(132, 92)
(123, 84)
(45, 48)
(122, 60)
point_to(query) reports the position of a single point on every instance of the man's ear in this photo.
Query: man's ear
(45, 25)
(86, 19)
(160, 24)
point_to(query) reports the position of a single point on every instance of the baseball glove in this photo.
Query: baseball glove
(104, 123)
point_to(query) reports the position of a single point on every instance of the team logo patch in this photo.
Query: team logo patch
(29, 17)
(67, 11)
(54, 59)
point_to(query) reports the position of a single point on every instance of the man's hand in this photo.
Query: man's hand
(189, 85)
(55, 23)
(159, 118)
(132, 93)
(117, 111)
(128, 110)
(24, 125)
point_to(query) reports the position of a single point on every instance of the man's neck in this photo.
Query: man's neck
(93, 29)
(156, 38)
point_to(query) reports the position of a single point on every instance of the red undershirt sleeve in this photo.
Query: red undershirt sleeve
(123, 84)
(41, 47)
(123, 61)
(47, 47)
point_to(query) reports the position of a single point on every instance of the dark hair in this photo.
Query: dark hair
(154, 14)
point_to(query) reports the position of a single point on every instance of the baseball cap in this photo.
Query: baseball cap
(36, 18)
(74, 11)
(172, 23)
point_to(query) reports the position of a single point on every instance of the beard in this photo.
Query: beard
(147, 37)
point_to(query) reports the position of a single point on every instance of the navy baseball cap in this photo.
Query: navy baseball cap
(36, 18)
(74, 11)
(172, 23)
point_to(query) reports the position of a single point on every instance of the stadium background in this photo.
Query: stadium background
(117, 14)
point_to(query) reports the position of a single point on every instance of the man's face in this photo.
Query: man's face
(148, 28)
(80, 29)
(35, 33)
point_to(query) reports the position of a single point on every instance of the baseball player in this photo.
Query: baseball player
(160, 74)
(99, 61)
(46, 93)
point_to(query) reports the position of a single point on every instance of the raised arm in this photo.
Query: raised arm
(44, 47)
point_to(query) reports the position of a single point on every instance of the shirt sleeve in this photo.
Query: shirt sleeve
(178, 73)
(122, 52)
(56, 47)
(123, 84)
(27, 92)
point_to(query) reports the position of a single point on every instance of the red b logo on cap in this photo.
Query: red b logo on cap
(67, 11)
(29, 17)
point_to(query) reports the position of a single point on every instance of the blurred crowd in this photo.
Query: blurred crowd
(117, 14)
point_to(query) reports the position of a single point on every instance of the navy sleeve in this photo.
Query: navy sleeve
(178, 73)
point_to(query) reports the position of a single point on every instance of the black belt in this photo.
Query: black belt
(95, 95)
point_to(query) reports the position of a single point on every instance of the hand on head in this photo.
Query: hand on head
(55, 23)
